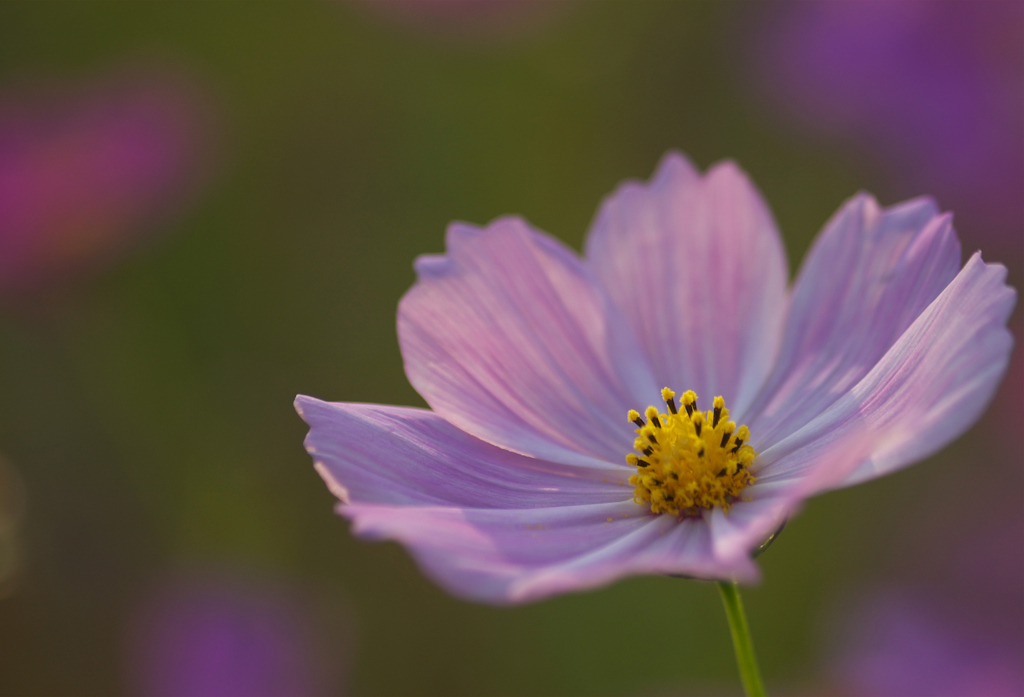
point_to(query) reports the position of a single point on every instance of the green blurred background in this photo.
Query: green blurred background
(148, 408)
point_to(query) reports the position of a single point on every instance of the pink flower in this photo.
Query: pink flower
(86, 171)
(929, 90)
(527, 479)
(230, 633)
(900, 644)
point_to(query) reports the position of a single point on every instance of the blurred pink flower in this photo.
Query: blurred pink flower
(86, 171)
(899, 644)
(930, 90)
(227, 634)
(527, 479)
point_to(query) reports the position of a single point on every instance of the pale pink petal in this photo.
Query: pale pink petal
(508, 338)
(697, 267)
(368, 453)
(866, 279)
(516, 556)
(780, 490)
(489, 524)
(930, 387)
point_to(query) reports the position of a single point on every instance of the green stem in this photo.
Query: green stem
(745, 658)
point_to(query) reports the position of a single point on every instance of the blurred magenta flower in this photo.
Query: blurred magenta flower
(225, 634)
(87, 171)
(527, 480)
(900, 645)
(931, 90)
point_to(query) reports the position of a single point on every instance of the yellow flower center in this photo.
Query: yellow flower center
(689, 460)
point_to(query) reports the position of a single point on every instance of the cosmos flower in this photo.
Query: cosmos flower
(664, 403)
(87, 171)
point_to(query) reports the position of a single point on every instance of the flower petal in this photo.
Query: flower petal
(489, 524)
(820, 464)
(517, 556)
(369, 453)
(929, 388)
(508, 338)
(697, 267)
(868, 276)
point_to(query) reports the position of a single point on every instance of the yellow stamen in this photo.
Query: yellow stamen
(689, 460)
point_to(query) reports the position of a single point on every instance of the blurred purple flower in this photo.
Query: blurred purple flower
(228, 635)
(933, 90)
(85, 171)
(514, 487)
(900, 645)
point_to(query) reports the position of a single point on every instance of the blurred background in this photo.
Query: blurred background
(206, 208)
